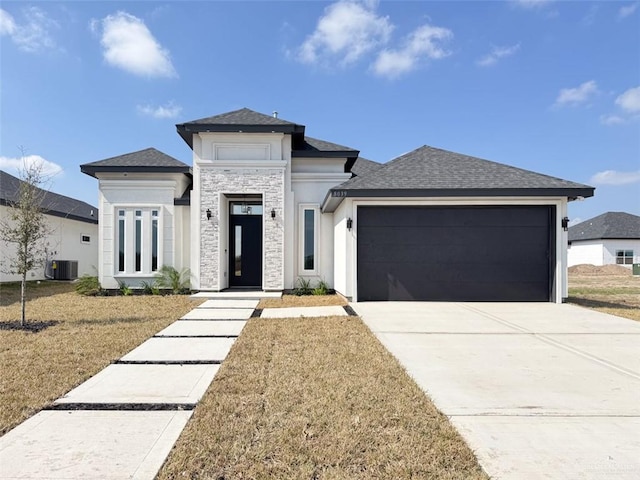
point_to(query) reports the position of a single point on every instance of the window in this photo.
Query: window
(138, 240)
(85, 238)
(624, 257)
(308, 239)
(121, 240)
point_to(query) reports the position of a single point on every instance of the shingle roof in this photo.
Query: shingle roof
(53, 203)
(619, 225)
(244, 120)
(433, 169)
(432, 172)
(148, 160)
(364, 167)
(243, 116)
(315, 144)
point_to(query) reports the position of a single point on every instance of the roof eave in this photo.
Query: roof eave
(186, 130)
(570, 193)
(92, 170)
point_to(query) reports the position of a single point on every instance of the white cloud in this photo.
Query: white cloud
(630, 100)
(578, 95)
(627, 10)
(613, 177)
(128, 44)
(423, 43)
(7, 23)
(575, 221)
(496, 54)
(347, 30)
(531, 4)
(169, 110)
(18, 165)
(34, 35)
(611, 119)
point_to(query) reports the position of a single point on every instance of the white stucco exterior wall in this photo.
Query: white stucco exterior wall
(601, 252)
(139, 191)
(64, 243)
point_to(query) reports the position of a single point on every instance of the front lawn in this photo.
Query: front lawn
(37, 368)
(314, 398)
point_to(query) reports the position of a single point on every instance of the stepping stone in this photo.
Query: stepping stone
(229, 303)
(294, 312)
(144, 384)
(219, 314)
(90, 444)
(181, 349)
(203, 328)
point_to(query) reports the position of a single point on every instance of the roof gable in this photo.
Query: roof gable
(148, 160)
(619, 225)
(52, 203)
(243, 120)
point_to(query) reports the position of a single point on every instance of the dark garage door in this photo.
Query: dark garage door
(455, 253)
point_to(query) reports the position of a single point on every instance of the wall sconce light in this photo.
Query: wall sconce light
(349, 224)
(208, 214)
(565, 223)
(273, 213)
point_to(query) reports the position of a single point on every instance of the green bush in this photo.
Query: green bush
(322, 288)
(302, 287)
(150, 288)
(88, 285)
(125, 289)
(171, 279)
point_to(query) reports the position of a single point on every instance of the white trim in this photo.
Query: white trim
(560, 204)
(244, 164)
(264, 148)
(136, 184)
(83, 241)
(320, 177)
(130, 239)
(315, 208)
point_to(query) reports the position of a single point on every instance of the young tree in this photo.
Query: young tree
(26, 227)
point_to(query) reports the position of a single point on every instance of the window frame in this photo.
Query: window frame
(135, 230)
(624, 257)
(86, 236)
(302, 237)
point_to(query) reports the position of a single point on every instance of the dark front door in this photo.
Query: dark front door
(245, 251)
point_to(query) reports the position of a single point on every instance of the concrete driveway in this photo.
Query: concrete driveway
(538, 390)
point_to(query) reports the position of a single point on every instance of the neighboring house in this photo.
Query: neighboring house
(264, 205)
(612, 238)
(74, 232)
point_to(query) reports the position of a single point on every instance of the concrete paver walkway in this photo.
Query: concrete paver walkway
(122, 422)
(537, 390)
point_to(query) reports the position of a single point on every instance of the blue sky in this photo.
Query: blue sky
(549, 86)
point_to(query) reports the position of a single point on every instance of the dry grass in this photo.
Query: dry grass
(37, 368)
(614, 294)
(316, 398)
(302, 301)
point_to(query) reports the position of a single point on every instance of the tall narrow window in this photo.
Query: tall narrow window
(154, 240)
(138, 241)
(238, 251)
(121, 240)
(309, 240)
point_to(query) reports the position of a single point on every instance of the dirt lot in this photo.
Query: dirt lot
(610, 289)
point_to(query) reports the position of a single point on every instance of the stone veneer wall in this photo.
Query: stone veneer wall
(268, 182)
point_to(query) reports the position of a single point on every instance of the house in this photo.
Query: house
(608, 239)
(263, 204)
(72, 243)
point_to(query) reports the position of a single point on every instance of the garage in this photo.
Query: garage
(456, 253)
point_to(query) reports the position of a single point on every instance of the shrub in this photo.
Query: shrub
(302, 287)
(125, 289)
(150, 288)
(170, 278)
(88, 285)
(322, 288)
